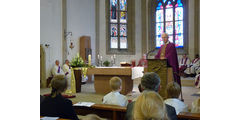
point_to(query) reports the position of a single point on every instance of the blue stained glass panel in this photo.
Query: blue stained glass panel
(159, 6)
(123, 5)
(123, 18)
(113, 10)
(159, 41)
(159, 16)
(179, 3)
(169, 14)
(179, 13)
(123, 30)
(179, 40)
(159, 28)
(169, 27)
(164, 1)
(123, 42)
(169, 5)
(114, 30)
(114, 42)
(179, 27)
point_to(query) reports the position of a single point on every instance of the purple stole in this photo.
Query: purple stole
(184, 61)
(197, 81)
(58, 69)
(195, 60)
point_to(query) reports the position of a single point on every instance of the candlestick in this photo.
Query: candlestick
(89, 60)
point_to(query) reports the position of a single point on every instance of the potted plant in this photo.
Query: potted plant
(106, 63)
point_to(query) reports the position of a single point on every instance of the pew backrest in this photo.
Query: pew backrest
(115, 112)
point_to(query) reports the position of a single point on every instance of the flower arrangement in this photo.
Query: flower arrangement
(77, 61)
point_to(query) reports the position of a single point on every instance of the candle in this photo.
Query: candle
(114, 56)
(98, 56)
(111, 57)
(101, 58)
(89, 59)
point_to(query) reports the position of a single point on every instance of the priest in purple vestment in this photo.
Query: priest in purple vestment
(168, 51)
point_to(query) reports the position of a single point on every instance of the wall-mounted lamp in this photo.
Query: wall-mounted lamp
(47, 45)
(71, 45)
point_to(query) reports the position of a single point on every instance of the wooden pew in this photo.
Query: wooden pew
(188, 116)
(114, 112)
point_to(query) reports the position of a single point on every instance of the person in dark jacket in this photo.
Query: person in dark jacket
(150, 82)
(56, 105)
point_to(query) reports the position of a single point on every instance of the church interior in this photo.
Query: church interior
(116, 38)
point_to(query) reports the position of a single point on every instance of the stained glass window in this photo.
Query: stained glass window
(169, 19)
(118, 24)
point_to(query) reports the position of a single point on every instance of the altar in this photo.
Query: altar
(102, 75)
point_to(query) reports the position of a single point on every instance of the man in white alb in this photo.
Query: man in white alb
(56, 70)
(67, 72)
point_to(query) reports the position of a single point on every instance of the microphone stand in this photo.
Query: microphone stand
(149, 52)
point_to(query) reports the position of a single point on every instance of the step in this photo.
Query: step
(189, 81)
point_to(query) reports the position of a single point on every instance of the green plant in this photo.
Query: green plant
(77, 61)
(106, 63)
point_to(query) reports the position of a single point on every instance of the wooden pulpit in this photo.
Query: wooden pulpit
(164, 71)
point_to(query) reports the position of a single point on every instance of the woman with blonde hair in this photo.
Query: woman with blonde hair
(56, 105)
(149, 106)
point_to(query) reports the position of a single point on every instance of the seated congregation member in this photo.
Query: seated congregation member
(196, 106)
(56, 105)
(184, 66)
(173, 92)
(67, 72)
(150, 82)
(149, 106)
(143, 61)
(194, 66)
(115, 97)
(56, 70)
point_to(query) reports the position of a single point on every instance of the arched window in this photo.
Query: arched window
(118, 24)
(169, 19)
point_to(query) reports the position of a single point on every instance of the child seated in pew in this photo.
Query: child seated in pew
(115, 97)
(173, 92)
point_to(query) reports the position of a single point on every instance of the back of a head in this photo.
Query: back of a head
(58, 84)
(92, 117)
(115, 83)
(173, 90)
(149, 106)
(150, 81)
